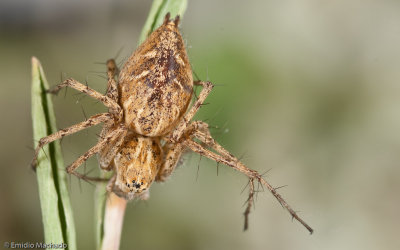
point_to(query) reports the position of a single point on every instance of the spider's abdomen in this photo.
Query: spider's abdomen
(156, 84)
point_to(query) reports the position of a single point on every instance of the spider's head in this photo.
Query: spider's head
(136, 166)
(133, 180)
(135, 183)
(127, 194)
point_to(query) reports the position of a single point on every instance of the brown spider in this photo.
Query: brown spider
(149, 122)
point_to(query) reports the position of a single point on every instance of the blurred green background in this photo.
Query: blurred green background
(308, 88)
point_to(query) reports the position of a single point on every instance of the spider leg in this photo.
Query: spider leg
(94, 120)
(112, 72)
(111, 183)
(174, 149)
(107, 101)
(250, 202)
(173, 152)
(112, 135)
(177, 133)
(107, 153)
(89, 178)
(172, 156)
(223, 156)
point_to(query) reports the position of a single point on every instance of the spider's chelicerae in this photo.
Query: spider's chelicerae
(149, 122)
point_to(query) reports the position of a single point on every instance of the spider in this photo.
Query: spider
(149, 120)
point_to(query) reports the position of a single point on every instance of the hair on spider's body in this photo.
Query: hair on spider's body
(149, 120)
(156, 84)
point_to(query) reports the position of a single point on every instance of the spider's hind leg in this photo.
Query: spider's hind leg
(107, 101)
(186, 121)
(112, 73)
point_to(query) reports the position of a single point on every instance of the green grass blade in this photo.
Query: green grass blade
(56, 209)
(158, 10)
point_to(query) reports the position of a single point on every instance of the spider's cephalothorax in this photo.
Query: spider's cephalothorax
(149, 123)
(137, 164)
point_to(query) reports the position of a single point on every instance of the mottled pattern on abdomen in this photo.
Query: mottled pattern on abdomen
(156, 83)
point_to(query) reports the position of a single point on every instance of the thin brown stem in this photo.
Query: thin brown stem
(113, 221)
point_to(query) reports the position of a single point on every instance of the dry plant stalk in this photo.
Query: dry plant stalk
(149, 122)
(113, 220)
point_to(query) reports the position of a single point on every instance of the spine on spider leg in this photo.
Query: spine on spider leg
(56, 209)
(285, 204)
(229, 160)
(104, 233)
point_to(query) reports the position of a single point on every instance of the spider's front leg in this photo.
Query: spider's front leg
(94, 120)
(172, 155)
(221, 155)
(173, 151)
(108, 152)
(103, 142)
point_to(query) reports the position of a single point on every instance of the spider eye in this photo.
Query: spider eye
(141, 183)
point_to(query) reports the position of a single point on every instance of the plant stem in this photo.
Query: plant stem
(113, 220)
(56, 208)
